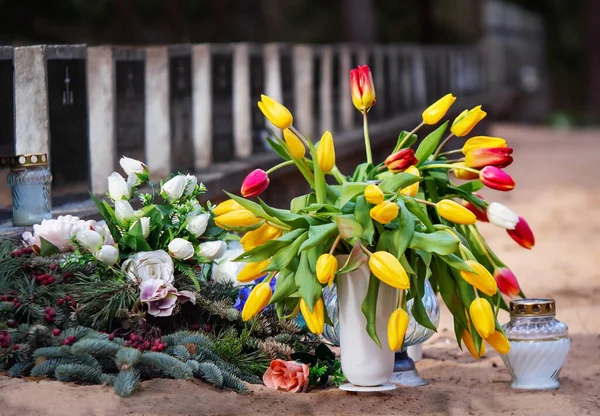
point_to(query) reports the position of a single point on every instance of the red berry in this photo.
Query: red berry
(111, 336)
(50, 280)
(154, 348)
(53, 266)
(146, 345)
(66, 342)
(17, 304)
(207, 328)
(132, 336)
(16, 347)
(12, 254)
(47, 308)
(11, 323)
(60, 301)
(73, 304)
(56, 332)
(68, 298)
(67, 275)
(3, 344)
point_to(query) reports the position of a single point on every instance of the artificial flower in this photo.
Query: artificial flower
(211, 250)
(401, 160)
(496, 178)
(257, 300)
(191, 182)
(373, 194)
(502, 216)
(315, 320)
(224, 269)
(290, 376)
(385, 212)
(146, 265)
(326, 267)
(388, 269)
(397, 325)
(173, 189)
(294, 144)
(261, 235)
(411, 190)
(58, 232)
(479, 142)
(362, 88)
(90, 240)
(145, 224)
(326, 153)
(161, 297)
(255, 183)
(181, 249)
(522, 234)
(108, 255)
(132, 166)
(482, 317)
(123, 210)
(466, 121)
(481, 279)
(482, 157)
(453, 211)
(197, 224)
(275, 112)
(436, 111)
(118, 188)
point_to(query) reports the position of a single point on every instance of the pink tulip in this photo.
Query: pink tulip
(288, 376)
(507, 282)
(496, 178)
(255, 183)
(522, 234)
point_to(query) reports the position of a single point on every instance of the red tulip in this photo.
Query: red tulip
(507, 282)
(255, 183)
(402, 160)
(362, 88)
(496, 178)
(480, 213)
(479, 158)
(522, 234)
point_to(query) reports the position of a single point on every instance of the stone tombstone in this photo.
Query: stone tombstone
(287, 77)
(180, 100)
(7, 122)
(67, 111)
(130, 106)
(257, 87)
(222, 103)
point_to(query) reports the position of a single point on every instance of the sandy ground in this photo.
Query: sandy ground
(559, 194)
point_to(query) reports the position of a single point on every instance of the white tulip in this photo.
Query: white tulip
(89, 239)
(118, 188)
(211, 250)
(502, 216)
(225, 270)
(191, 181)
(145, 224)
(107, 254)
(181, 249)
(148, 265)
(123, 210)
(130, 166)
(173, 189)
(197, 224)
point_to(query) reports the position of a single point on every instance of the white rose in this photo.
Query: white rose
(145, 223)
(224, 270)
(130, 166)
(197, 224)
(123, 210)
(147, 265)
(173, 189)
(89, 239)
(118, 188)
(191, 181)
(107, 254)
(181, 249)
(502, 216)
(211, 250)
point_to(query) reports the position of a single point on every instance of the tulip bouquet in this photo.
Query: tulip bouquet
(408, 218)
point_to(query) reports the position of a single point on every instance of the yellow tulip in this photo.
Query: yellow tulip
(411, 190)
(373, 194)
(498, 341)
(259, 236)
(257, 300)
(397, 325)
(275, 112)
(326, 153)
(238, 218)
(385, 212)
(482, 317)
(463, 174)
(436, 111)
(294, 144)
(464, 123)
(253, 271)
(453, 211)
(326, 267)
(483, 142)
(388, 269)
(315, 320)
(226, 206)
(481, 280)
(468, 342)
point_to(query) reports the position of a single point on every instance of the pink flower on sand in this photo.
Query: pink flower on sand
(288, 376)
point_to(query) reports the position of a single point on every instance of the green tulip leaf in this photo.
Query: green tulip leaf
(47, 248)
(456, 262)
(301, 202)
(278, 148)
(318, 234)
(403, 142)
(349, 191)
(284, 286)
(348, 227)
(363, 216)
(449, 292)
(254, 208)
(438, 242)
(429, 144)
(418, 212)
(369, 308)
(472, 186)
(361, 172)
(308, 286)
(267, 249)
(284, 256)
(417, 287)
(398, 181)
(356, 259)
(108, 214)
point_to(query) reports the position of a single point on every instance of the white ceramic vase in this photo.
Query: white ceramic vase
(363, 362)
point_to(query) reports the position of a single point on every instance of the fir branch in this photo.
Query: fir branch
(47, 367)
(20, 369)
(77, 372)
(169, 366)
(127, 357)
(180, 352)
(234, 383)
(107, 379)
(95, 346)
(127, 382)
(211, 373)
(52, 352)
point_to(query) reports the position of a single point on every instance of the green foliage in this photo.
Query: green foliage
(77, 372)
(168, 365)
(126, 382)
(19, 369)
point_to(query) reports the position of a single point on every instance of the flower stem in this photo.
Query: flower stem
(279, 166)
(366, 250)
(450, 152)
(441, 146)
(422, 201)
(280, 226)
(407, 137)
(475, 234)
(335, 243)
(448, 166)
(335, 172)
(367, 139)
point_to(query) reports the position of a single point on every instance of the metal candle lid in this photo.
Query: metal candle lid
(25, 161)
(532, 307)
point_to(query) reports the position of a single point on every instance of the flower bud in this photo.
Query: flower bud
(480, 213)
(257, 300)
(315, 320)
(191, 182)
(482, 157)
(499, 342)
(226, 206)
(326, 267)
(401, 160)
(253, 271)
(326, 153)
(123, 210)
(108, 255)
(482, 317)
(118, 187)
(294, 144)
(496, 178)
(197, 224)
(130, 166)
(373, 194)
(255, 183)
(411, 190)
(462, 173)
(522, 234)
(436, 111)
(397, 325)
(453, 211)
(479, 142)
(173, 189)
(466, 121)
(211, 250)
(468, 342)
(362, 88)
(258, 237)
(145, 224)
(180, 249)
(502, 216)
(89, 239)
(388, 269)
(507, 282)
(275, 112)
(481, 279)
(235, 219)
(385, 212)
